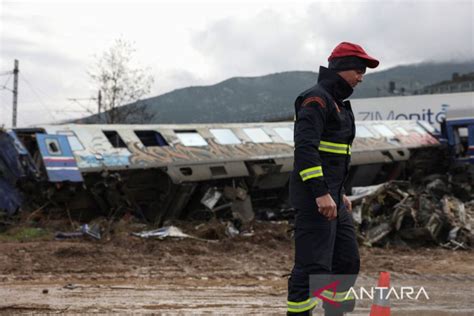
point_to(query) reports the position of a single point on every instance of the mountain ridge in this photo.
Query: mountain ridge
(270, 97)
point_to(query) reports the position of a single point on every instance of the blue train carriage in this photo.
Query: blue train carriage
(458, 134)
(165, 171)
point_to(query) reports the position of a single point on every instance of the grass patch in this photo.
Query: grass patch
(25, 234)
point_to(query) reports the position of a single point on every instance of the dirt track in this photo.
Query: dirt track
(243, 275)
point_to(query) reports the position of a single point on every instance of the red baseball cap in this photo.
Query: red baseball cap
(346, 49)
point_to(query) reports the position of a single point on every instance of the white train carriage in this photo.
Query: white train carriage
(160, 169)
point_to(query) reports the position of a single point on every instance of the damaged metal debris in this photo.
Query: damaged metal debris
(165, 232)
(235, 199)
(398, 212)
(85, 230)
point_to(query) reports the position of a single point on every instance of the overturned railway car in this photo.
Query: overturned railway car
(168, 171)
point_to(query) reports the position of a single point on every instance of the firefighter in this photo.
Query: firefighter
(325, 240)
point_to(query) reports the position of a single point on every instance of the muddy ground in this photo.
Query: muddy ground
(241, 275)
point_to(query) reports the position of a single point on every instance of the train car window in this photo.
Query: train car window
(115, 139)
(151, 138)
(72, 139)
(225, 136)
(284, 132)
(363, 132)
(257, 135)
(383, 130)
(52, 146)
(190, 138)
(463, 131)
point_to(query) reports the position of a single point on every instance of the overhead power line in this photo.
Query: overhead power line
(84, 107)
(4, 73)
(40, 101)
(4, 87)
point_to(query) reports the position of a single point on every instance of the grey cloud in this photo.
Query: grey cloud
(172, 79)
(409, 32)
(18, 15)
(31, 50)
(394, 31)
(180, 77)
(34, 23)
(263, 43)
(9, 44)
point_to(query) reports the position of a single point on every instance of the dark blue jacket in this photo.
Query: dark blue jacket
(323, 133)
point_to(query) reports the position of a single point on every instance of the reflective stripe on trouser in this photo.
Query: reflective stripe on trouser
(299, 307)
(335, 148)
(322, 247)
(338, 296)
(312, 172)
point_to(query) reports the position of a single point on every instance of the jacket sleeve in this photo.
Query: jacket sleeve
(309, 125)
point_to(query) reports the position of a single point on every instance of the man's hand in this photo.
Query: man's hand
(347, 203)
(327, 206)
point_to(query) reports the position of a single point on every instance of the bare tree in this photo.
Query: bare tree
(121, 84)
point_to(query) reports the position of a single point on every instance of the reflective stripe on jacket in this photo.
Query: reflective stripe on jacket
(323, 135)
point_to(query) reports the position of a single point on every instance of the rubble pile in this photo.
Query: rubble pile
(439, 210)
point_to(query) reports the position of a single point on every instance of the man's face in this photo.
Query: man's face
(353, 77)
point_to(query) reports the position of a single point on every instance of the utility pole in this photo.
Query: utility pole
(99, 104)
(15, 92)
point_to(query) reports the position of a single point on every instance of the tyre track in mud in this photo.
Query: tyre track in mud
(240, 276)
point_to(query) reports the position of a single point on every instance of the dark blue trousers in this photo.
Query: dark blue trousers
(322, 247)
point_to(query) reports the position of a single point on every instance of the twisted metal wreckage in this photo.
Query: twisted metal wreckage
(166, 172)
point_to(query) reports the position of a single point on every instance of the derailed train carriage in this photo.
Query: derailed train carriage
(169, 171)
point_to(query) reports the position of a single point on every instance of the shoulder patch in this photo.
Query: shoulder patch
(318, 100)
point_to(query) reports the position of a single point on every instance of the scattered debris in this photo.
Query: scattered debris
(228, 203)
(232, 193)
(275, 214)
(401, 212)
(92, 231)
(67, 235)
(247, 233)
(211, 197)
(85, 230)
(242, 210)
(71, 286)
(231, 231)
(166, 232)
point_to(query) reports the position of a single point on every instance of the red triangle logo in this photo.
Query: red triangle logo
(333, 287)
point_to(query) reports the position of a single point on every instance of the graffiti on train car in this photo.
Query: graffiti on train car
(179, 153)
(98, 160)
(415, 138)
(409, 139)
(401, 138)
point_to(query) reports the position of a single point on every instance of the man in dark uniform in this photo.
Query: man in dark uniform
(325, 240)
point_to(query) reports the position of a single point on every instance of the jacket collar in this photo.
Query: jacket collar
(334, 84)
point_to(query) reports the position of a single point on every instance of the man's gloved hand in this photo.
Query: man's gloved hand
(327, 206)
(347, 203)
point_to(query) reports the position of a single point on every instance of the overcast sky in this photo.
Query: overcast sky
(202, 43)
